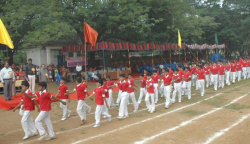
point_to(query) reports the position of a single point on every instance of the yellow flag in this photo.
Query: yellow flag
(179, 39)
(4, 36)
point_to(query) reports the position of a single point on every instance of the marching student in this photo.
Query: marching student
(181, 74)
(239, 69)
(188, 79)
(62, 90)
(119, 93)
(81, 91)
(105, 87)
(201, 79)
(110, 85)
(177, 86)
(145, 73)
(155, 69)
(99, 99)
(192, 70)
(156, 79)
(233, 72)
(123, 109)
(214, 75)
(244, 69)
(221, 70)
(161, 89)
(131, 93)
(45, 107)
(29, 103)
(84, 83)
(150, 93)
(227, 72)
(248, 68)
(206, 68)
(142, 89)
(167, 80)
(171, 73)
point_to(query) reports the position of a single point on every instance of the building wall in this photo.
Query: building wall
(43, 57)
(34, 54)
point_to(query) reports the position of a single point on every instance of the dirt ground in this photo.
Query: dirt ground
(219, 117)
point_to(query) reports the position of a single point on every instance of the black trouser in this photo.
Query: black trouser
(78, 74)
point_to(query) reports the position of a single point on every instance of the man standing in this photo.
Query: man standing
(30, 71)
(43, 74)
(7, 78)
(78, 70)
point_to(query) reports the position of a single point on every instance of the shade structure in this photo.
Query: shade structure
(205, 46)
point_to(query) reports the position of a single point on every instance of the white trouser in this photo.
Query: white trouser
(156, 92)
(214, 80)
(193, 79)
(65, 108)
(44, 115)
(239, 75)
(188, 89)
(28, 123)
(207, 80)
(132, 96)
(227, 77)
(142, 93)
(244, 70)
(221, 80)
(119, 97)
(201, 84)
(105, 108)
(151, 106)
(248, 72)
(111, 100)
(177, 88)
(161, 89)
(123, 109)
(81, 109)
(98, 111)
(32, 80)
(183, 88)
(167, 91)
(233, 77)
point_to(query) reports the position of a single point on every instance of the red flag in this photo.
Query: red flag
(90, 35)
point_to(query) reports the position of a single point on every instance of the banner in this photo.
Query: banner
(73, 61)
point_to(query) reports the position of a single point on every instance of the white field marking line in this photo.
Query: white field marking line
(188, 121)
(137, 122)
(221, 132)
(152, 118)
(94, 113)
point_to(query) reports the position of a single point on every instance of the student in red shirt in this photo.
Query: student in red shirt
(63, 92)
(131, 93)
(45, 107)
(118, 84)
(171, 73)
(227, 72)
(177, 86)
(105, 87)
(156, 80)
(27, 122)
(239, 69)
(145, 73)
(99, 99)
(81, 91)
(214, 75)
(161, 87)
(86, 89)
(244, 68)
(181, 74)
(221, 68)
(233, 72)
(188, 79)
(123, 109)
(167, 81)
(110, 86)
(192, 70)
(142, 89)
(201, 79)
(150, 94)
(206, 68)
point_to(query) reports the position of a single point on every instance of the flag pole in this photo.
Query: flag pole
(85, 60)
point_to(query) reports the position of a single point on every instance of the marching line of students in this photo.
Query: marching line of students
(177, 82)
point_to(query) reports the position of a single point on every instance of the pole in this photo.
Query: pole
(7, 51)
(197, 52)
(85, 59)
(103, 63)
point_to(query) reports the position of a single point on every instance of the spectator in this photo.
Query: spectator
(30, 72)
(78, 70)
(43, 74)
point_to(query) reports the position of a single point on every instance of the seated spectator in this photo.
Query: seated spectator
(21, 74)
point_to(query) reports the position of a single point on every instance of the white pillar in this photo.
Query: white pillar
(75, 54)
(48, 56)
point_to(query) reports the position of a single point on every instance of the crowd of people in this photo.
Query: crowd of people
(166, 83)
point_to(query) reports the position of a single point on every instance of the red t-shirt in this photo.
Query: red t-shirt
(85, 85)
(239, 67)
(119, 85)
(244, 64)
(167, 79)
(206, 70)
(188, 76)
(63, 89)
(45, 101)
(214, 70)
(131, 84)
(145, 76)
(110, 83)
(171, 73)
(105, 87)
(28, 103)
(177, 78)
(233, 68)
(201, 74)
(221, 69)
(143, 83)
(99, 95)
(150, 86)
(124, 86)
(156, 78)
(193, 69)
(181, 74)
(228, 67)
(81, 91)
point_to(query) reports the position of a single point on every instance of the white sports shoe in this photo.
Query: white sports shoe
(63, 119)
(50, 138)
(43, 136)
(26, 137)
(110, 118)
(96, 125)
(69, 113)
